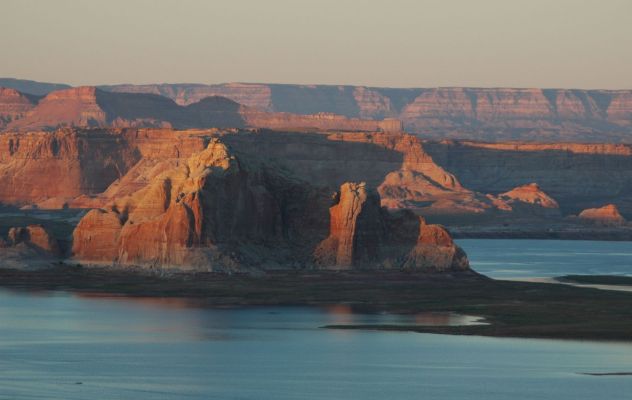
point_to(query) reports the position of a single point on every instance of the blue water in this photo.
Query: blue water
(66, 346)
(515, 259)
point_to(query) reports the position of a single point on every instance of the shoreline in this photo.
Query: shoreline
(589, 235)
(512, 309)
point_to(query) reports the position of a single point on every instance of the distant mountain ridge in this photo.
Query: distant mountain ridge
(488, 114)
(88, 106)
(31, 87)
(492, 114)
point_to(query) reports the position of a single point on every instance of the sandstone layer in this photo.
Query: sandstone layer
(93, 166)
(493, 114)
(222, 212)
(606, 215)
(490, 114)
(29, 247)
(34, 236)
(362, 233)
(577, 176)
(527, 199)
(88, 106)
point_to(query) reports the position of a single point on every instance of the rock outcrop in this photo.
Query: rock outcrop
(216, 211)
(357, 228)
(198, 214)
(607, 215)
(34, 236)
(527, 199)
(364, 234)
(14, 105)
(576, 175)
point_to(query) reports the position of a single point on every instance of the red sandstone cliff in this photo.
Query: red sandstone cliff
(215, 211)
(606, 215)
(527, 199)
(362, 234)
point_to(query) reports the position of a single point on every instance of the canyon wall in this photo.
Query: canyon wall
(93, 166)
(221, 211)
(578, 176)
(491, 114)
(91, 107)
(14, 105)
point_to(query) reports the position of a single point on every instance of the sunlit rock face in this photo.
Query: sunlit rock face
(527, 199)
(362, 234)
(34, 236)
(608, 215)
(29, 247)
(220, 212)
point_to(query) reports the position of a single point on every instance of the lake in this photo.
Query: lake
(56, 345)
(523, 258)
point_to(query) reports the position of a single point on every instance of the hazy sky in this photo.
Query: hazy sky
(399, 43)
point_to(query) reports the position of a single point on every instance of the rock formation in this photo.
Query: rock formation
(13, 105)
(40, 166)
(34, 236)
(607, 215)
(490, 114)
(362, 233)
(529, 199)
(88, 106)
(215, 211)
(576, 175)
(357, 228)
(465, 113)
(92, 167)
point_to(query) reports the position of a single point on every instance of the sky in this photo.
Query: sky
(395, 43)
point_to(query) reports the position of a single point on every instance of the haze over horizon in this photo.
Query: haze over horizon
(427, 43)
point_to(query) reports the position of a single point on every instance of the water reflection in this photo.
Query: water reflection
(157, 348)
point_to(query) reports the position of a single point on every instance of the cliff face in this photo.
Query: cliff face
(577, 176)
(91, 107)
(397, 164)
(362, 234)
(465, 113)
(490, 114)
(215, 211)
(39, 166)
(13, 105)
(92, 167)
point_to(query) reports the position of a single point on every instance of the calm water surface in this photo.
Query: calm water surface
(65, 346)
(515, 259)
